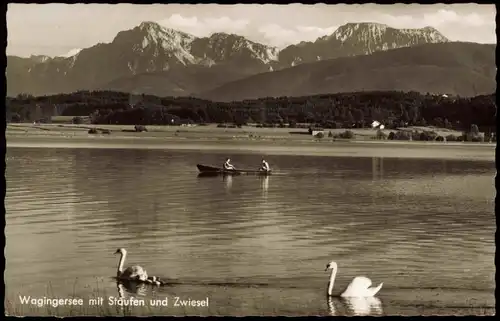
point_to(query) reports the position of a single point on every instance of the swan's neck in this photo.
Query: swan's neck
(120, 264)
(332, 281)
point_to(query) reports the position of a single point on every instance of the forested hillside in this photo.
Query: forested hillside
(359, 109)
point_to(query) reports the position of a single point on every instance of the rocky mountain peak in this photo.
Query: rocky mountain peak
(359, 38)
(222, 46)
(377, 31)
(149, 25)
(152, 33)
(223, 35)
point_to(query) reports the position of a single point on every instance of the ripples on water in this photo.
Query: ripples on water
(254, 245)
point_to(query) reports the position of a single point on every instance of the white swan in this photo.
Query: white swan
(360, 286)
(132, 273)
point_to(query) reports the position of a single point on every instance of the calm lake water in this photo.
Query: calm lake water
(251, 245)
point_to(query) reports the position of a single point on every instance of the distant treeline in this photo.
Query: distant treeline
(347, 110)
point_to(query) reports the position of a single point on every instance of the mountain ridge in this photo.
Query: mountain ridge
(152, 48)
(465, 69)
(345, 40)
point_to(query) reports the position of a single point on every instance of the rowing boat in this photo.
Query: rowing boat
(214, 171)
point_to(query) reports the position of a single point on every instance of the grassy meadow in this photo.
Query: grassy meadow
(293, 141)
(210, 131)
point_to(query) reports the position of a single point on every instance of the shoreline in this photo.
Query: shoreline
(213, 133)
(267, 146)
(248, 139)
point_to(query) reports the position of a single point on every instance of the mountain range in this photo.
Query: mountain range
(155, 60)
(465, 69)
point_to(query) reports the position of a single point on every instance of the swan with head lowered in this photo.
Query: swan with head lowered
(360, 286)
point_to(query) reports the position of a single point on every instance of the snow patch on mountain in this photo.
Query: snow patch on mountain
(271, 54)
(40, 58)
(71, 53)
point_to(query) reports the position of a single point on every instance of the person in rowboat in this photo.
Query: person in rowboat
(265, 166)
(227, 165)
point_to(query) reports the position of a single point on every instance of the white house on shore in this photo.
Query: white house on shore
(377, 125)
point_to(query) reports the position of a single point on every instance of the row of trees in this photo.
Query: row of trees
(427, 135)
(359, 109)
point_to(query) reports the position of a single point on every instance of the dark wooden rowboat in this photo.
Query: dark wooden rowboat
(214, 171)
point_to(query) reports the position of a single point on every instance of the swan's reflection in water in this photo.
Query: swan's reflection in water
(364, 306)
(355, 306)
(130, 288)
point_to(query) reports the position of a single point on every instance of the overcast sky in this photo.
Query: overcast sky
(56, 29)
